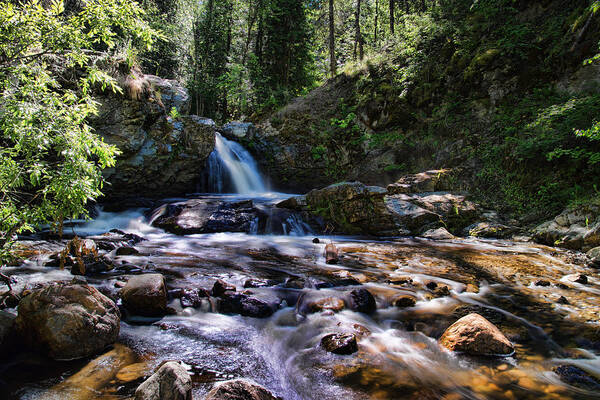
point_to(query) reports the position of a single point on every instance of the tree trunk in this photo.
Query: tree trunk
(392, 22)
(358, 37)
(332, 61)
(376, 20)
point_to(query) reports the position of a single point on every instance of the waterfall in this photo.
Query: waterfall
(231, 167)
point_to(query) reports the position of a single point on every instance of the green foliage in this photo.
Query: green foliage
(50, 159)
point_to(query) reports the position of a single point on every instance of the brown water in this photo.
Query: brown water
(400, 359)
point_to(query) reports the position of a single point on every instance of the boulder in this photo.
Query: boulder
(340, 343)
(247, 306)
(404, 301)
(145, 295)
(475, 335)
(68, 321)
(331, 254)
(192, 297)
(239, 389)
(575, 228)
(208, 216)
(127, 251)
(170, 382)
(325, 304)
(220, 287)
(438, 234)
(355, 208)
(594, 256)
(7, 332)
(362, 300)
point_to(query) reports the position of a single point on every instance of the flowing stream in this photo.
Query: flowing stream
(399, 359)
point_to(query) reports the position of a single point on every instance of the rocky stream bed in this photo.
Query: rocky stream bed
(263, 305)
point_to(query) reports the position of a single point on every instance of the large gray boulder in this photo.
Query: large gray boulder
(355, 208)
(145, 295)
(207, 216)
(239, 389)
(68, 321)
(170, 382)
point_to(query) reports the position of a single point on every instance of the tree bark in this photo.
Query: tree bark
(392, 22)
(332, 60)
(376, 20)
(358, 37)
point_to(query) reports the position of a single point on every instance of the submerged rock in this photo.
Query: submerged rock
(362, 300)
(577, 377)
(170, 382)
(340, 343)
(68, 321)
(145, 295)
(475, 335)
(208, 216)
(239, 389)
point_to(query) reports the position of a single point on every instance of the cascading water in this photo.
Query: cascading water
(232, 168)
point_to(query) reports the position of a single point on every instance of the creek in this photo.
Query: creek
(399, 359)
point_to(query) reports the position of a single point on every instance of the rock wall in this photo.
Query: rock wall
(163, 150)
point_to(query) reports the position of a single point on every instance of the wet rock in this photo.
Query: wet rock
(86, 383)
(361, 330)
(543, 283)
(331, 254)
(404, 301)
(68, 320)
(7, 332)
(238, 303)
(127, 251)
(326, 304)
(431, 285)
(362, 300)
(191, 298)
(401, 281)
(257, 283)
(316, 241)
(562, 300)
(81, 257)
(220, 287)
(577, 377)
(340, 343)
(208, 216)
(442, 291)
(239, 389)
(473, 334)
(578, 278)
(145, 295)
(294, 282)
(170, 382)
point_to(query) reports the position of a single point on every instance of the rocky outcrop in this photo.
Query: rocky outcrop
(577, 229)
(207, 216)
(475, 335)
(239, 389)
(68, 321)
(145, 295)
(162, 150)
(170, 382)
(355, 208)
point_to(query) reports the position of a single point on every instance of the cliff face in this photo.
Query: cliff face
(163, 150)
(496, 92)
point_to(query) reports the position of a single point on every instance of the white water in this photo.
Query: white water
(230, 162)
